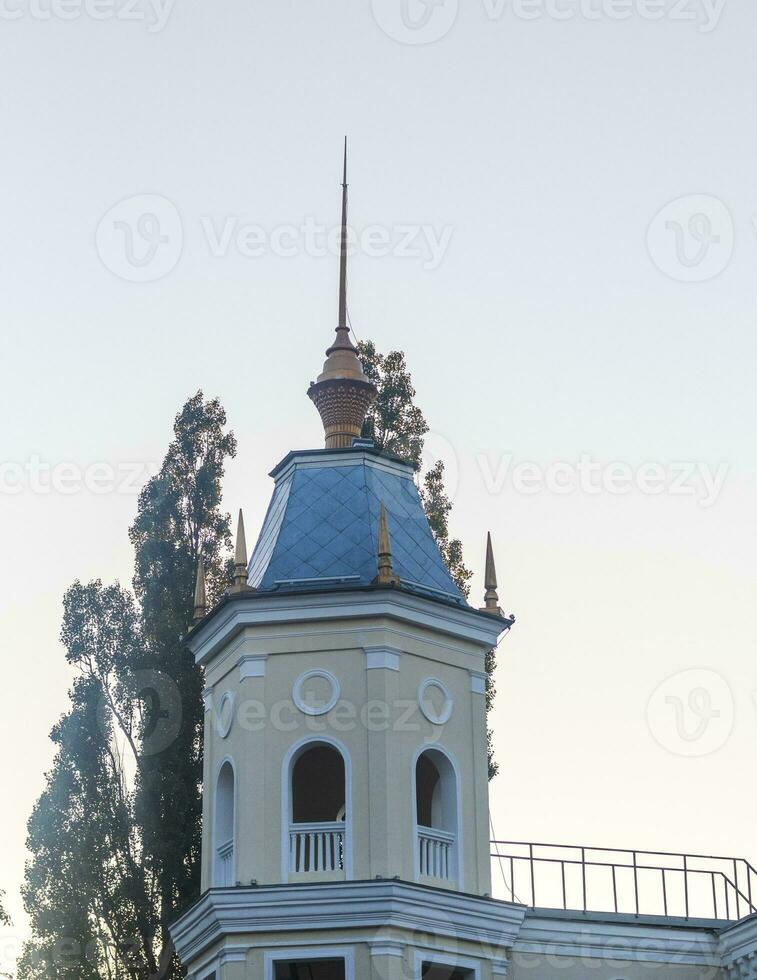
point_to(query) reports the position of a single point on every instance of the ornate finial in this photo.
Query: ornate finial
(491, 599)
(342, 393)
(201, 601)
(386, 574)
(240, 559)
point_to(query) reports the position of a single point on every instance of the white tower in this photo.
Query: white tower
(346, 810)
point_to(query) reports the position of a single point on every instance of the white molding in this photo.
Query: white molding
(428, 713)
(739, 941)
(286, 798)
(316, 710)
(382, 658)
(451, 916)
(387, 947)
(621, 938)
(252, 665)
(224, 726)
(306, 459)
(260, 609)
(207, 699)
(477, 682)
(444, 959)
(500, 968)
(347, 953)
(232, 956)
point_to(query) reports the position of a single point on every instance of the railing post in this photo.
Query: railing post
(664, 893)
(583, 875)
(736, 888)
(686, 884)
(614, 889)
(533, 877)
(636, 882)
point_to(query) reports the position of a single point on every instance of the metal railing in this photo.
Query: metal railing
(316, 847)
(608, 879)
(435, 852)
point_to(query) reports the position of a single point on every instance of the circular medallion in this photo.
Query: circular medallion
(435, 701)
(225, 714)
(316, 692)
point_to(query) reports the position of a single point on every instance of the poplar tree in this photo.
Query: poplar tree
(115, 836)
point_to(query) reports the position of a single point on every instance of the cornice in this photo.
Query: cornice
(646, 939)
(225, 912)
(259, 609)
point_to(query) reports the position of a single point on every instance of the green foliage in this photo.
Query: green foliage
(5, 919)
(115, 835)
(397, 425)
(394, 422)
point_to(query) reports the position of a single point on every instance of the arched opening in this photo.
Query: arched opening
(436, 815)
(223, 828)
(318, 810)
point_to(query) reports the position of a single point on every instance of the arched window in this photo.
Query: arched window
(223, 828)
(318, 786)
(318, 810)
(436, 815)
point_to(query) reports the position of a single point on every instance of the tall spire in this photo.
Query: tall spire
(386, 574)
(342, 394)
(342, 324)
(491, 599)
(201, 601)
(240, 558)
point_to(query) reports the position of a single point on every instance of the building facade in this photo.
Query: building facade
(346, 816)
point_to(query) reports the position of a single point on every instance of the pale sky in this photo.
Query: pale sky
(516, 164)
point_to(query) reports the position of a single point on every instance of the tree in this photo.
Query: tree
(397, 425)
(5, 919)
(115, 835)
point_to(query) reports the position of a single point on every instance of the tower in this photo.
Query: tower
(345, 819)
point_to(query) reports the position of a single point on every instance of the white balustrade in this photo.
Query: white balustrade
(226, 864)
(435, 852)
(316, 847)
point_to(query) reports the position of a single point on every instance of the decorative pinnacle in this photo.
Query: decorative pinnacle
(491, 599)
(201, 600)
(240, 559)
(386, 574)
(342, 393)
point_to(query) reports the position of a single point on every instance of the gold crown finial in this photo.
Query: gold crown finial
(201, 600)
(491, 599)
(342, 393)
(240, 558)
(386, 574)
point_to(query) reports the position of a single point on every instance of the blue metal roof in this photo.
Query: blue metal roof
(321, 528)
